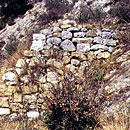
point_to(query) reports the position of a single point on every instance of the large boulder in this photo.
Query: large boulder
(67, 45)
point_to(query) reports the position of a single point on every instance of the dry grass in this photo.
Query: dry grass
(10, 62)
(22, 125)
(116, 122)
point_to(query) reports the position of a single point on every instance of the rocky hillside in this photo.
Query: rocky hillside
(93, 57)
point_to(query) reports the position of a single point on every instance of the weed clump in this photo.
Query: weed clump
(73, 105)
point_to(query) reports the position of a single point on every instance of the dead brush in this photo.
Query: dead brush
(119, 121)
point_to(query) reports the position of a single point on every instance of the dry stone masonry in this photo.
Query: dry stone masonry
(67, 47)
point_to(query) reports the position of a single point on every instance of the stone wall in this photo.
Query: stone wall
(67, 47)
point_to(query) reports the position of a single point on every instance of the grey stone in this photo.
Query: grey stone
(73, 29)
(57, 29)
(39, 37)
(99, 32)
(106, 35)
(33, 114)
(84, 29)
(82, 40)
(111, 49)
(97, 40)
(83, 47)
(75, 62)
(106, 30)
(66, 35)
(10, 76)
(47, 46)
(115, 36)
(99, 46)
(79, 34)
(46, 32)
(67, 45)
(97, 52)
(53, 40)
(109, 42)
(37, 45)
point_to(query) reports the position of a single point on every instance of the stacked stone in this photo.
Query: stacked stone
(68, 47)
(73, 38)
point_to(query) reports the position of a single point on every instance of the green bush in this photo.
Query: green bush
(71, 107)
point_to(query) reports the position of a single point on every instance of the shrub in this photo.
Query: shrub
(55, 10)
(11, 46)
(72, 105)
(88, 13)
(121, 9)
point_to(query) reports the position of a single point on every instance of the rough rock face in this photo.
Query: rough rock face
(24, 26)
(119, 88)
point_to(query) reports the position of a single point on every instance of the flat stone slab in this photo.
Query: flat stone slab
(4, 111)
(39, 37)
(83, 47)
(37, 45)
(82, 40)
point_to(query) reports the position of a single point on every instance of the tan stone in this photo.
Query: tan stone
(52, 77)
(58, 64)
(91, 56)
(17, 107)
(91, 33)
(17, 97)
(79, 55)
(88, 26)
(71, 68)
(117, 51)
(104, 55)
(30, 98)
(20, 71)
(122, 58)
(65, 26)
(82, 40)
(29, 89)
(46, 87)
(28, 53)
(58, 34)
(59, 71)
(70, 22)
(66, 59)
(4, 102)
(42, 79)
(46, 53)
(8, 91)
(20, 63)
